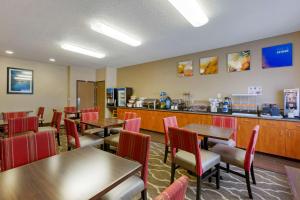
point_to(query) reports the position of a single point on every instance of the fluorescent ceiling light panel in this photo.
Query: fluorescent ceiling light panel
(9, 52)
(191, 11)
(77, 49)
(115, 34)
(52, 59)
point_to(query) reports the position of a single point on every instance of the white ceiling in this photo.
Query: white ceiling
(34, 29)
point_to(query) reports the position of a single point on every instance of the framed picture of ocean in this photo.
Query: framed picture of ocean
(19, 81)
(277, 56)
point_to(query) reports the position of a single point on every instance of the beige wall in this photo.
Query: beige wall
(50, 87)
(149, 79)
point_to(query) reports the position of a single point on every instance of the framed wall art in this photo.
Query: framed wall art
(185, 68)
(208, 65)
(19, 81)
(238, 62)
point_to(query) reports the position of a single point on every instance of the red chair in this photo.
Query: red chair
(127, 115)
(73, 139)
(176, 191)
(133, 146)
(69, 110)
(168, 122)
(90, 116)
(24, 149)
(132, 125)
(54, 126)
(240, 158)
(40, 115)
(11, 115)
(92, 109)
(22, 125)
(225, 122)
(186, 153)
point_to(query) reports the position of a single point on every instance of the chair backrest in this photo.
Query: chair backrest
(130, 115)
(70, 109)
(56, 120)
(88, 116)
(92, 109)
(176, 191)
(20, 125)
(24, 149)
(251, 148)
(133, 125)
(187, 141)
(40, 113)
(226, 122)
(135, 146)
(12, 115)
(71, 131)
(169, 122)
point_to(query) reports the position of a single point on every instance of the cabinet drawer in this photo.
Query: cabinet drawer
(272, 123)
(293, 125)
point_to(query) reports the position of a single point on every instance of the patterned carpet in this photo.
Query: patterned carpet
(270, 185)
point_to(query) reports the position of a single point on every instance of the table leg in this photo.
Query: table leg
(106, 146)
(205, 143)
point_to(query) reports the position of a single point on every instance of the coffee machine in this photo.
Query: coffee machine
(291, 102)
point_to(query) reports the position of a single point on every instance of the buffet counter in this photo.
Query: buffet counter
(277, 136)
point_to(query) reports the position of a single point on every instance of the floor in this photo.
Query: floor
(270, 185)
(263, 161)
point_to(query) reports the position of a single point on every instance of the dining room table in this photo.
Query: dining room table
(84, 173)
(210, 131)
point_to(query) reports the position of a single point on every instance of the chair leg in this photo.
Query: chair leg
(144, 194)
(58, 139)
(252, 174)
(166, 153)
(172, 172)
(69, 148)
(248, 184)
(198, 193)
(209, 178)
(227, 167)
(218, 176)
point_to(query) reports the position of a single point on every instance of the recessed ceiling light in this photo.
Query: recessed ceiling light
(77, 49)
(191, 11)
(9, 52)
(115, 34)
(52, 59)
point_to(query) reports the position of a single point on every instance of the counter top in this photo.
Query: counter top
(211, 113)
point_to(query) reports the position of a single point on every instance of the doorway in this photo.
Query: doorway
(90, 94)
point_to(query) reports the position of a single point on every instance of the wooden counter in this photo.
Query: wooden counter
(277, 137)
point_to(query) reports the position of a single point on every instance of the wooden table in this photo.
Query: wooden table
(209, 131)
(105, 124)
(75, 112)
(293, 175)
(84, 173)
(3, 123)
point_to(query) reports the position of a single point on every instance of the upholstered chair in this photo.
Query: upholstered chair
(73, 139)
(12, 115)
(91, 109)
(90, 116)
(133, 146)
(133, 125)
(186, 153)
(24, 149)
(54, 126)
(225, 122)
(22, 125)
(168, 122)
(127, 115)
(69, 109)
(240, 158)
(176, 191)
(40, 115)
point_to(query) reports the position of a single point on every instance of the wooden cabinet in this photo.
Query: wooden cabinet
(245, 127)
(276, 137)
(292, 140)
(272, 135)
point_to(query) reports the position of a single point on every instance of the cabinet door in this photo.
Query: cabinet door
(293, 140)
(245, 127)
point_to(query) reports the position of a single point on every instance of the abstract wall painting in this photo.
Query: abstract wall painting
(208, 65)
(238, 62)
(185, 69)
